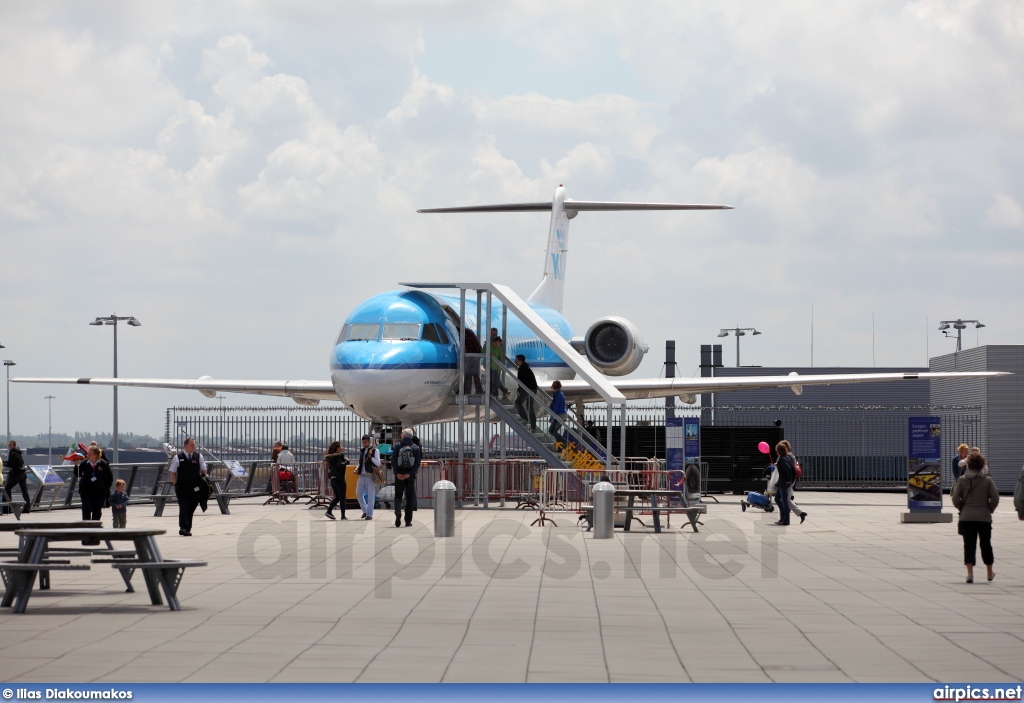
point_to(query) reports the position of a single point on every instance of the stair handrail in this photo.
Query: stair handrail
(583, 438)
(579, 431)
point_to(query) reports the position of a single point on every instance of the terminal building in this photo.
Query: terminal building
(1001, 401)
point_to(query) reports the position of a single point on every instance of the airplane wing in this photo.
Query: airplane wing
(302, 392)
(688, 388)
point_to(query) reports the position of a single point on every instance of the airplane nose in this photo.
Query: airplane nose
(392, 382)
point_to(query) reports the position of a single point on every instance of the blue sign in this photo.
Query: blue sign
(674, 458)
(924, 453)
(691, 437)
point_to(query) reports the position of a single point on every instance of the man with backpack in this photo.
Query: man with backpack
(405, 462)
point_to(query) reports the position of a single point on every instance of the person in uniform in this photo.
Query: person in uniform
(186, 466)
(94, 481)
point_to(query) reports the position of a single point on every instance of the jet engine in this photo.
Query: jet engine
(614, 346)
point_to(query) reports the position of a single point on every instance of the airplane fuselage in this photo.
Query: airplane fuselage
(397, 357)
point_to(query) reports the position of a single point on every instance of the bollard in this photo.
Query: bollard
(604, 501)
(444, 509)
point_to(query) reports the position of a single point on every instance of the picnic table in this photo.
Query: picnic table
(47, 524)
(159, 573)
(653, 494)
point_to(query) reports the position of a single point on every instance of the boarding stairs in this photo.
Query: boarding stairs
(581, 450)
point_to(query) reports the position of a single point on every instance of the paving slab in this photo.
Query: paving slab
(850, 595)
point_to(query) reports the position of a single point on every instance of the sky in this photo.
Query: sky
(239, 176)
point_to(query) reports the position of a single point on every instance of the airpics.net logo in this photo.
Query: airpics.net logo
(978, 693)
(503, 549)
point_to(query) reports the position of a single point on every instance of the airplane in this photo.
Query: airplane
(396, 359)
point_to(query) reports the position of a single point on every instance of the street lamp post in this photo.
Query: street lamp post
(739, 332)
(113, 320)
(959, 326)
(8, 364)
(49, 430)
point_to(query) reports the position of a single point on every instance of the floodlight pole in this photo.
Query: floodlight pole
(738, 332)
(959, 325)
(8, 364)
(49, 431)
(113, 320)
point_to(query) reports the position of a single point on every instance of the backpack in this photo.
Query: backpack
(693, 478)
(406, 456)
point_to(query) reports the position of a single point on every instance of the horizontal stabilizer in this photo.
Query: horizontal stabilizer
(578, 206)
(511, 207)
(601, 205)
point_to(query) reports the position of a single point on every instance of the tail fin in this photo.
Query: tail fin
(549, 291)
(563, 209)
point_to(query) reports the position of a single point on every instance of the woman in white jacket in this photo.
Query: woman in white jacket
(773, 483)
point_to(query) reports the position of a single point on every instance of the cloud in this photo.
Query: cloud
(1005, 212)
(246, 178)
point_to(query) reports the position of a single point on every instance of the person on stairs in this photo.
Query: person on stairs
(524, 401)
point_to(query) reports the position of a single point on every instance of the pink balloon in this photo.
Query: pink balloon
(763, 447)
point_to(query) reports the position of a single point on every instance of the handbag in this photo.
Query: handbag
(959, 524)
(378, 475)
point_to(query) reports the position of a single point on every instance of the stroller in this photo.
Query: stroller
(759, 500)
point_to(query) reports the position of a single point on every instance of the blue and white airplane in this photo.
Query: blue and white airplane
(396, 360)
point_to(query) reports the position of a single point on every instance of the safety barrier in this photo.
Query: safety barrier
(307, 482)
(496, 482)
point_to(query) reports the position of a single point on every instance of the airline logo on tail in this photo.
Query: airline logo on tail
(556, 257)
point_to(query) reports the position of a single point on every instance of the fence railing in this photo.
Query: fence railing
(840, 447)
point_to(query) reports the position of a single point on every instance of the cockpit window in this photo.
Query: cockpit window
(362, 332)
(434, 333)
(344, 334)
(401, 331)
(430, 333)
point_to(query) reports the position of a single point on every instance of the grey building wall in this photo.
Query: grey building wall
(1000, 435)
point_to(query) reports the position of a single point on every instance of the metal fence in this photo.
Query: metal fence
(248, 433)
(838, 446)
(142, 482)
(842, 446)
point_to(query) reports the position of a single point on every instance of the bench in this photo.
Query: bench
(223, 499)
(6, 502)
(168, 572)
(160, 499)
(691, 514)
(15, 573)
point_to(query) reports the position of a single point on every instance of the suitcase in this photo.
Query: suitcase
(758, 499)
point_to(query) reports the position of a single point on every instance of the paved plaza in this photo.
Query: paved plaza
(851, 595)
